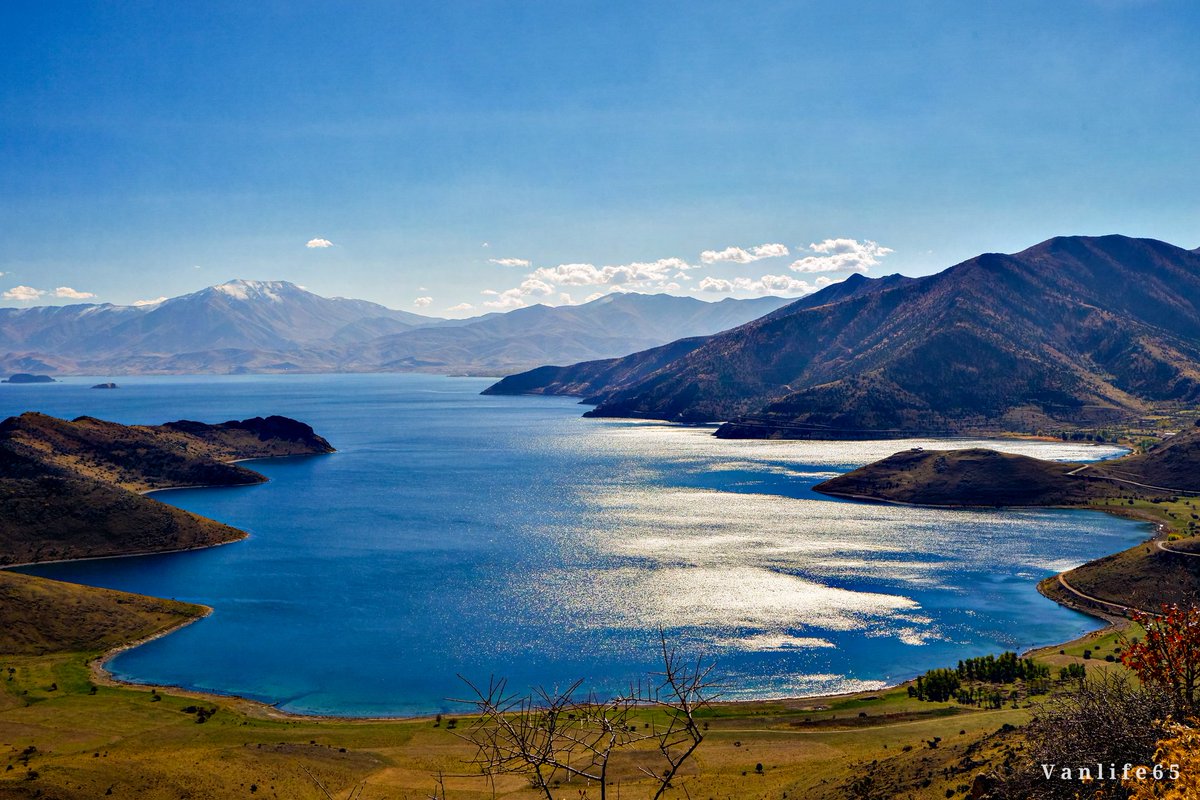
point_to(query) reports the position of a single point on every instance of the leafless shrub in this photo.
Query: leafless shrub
(1107, 720)
(556, 736)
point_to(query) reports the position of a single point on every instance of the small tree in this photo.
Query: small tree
(552, 735)
(1169, 653)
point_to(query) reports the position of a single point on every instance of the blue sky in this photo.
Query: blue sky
(150, 149)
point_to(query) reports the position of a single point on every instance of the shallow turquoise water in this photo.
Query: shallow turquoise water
(459, 534)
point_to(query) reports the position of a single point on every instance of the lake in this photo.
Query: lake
(456, 534)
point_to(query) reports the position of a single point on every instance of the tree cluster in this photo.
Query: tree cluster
(1005, 668)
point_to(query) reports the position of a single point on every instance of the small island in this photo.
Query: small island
(106, 386)
(26, 377)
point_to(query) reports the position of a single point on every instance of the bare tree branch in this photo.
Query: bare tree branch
(553, 735)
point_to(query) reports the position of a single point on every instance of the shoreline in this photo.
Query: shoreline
(98, 669)
(97, 666)
(146, 492)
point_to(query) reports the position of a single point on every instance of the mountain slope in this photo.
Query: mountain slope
(586, 379)
(1073, 330)
(595, 380)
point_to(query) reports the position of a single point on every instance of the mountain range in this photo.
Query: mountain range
(1076, 330)
(275, 326)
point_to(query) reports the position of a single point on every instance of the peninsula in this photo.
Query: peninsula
(75, 489)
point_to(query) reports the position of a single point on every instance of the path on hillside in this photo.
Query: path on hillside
(1163, 546)
(1063, 582)
(1110, 477)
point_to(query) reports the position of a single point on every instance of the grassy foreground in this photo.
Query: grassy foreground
(68, 732)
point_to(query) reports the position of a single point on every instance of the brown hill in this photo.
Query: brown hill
(1076, 330)
(974, 477)
(980, 477)
(39, 616)
(589, 377)
(70, 489)
(1172, 465)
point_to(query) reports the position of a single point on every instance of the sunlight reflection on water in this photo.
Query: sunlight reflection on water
(458, 534)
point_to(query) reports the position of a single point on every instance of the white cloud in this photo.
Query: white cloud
(511, 298)
(638, 274)
(841, 255)
(153, 302)
(423, 302)
(461, 307)
(511, 262)
(535, 286)
(23, 293)
(71, 294)
(571, 274)
(711, 284)
(740, 256)
(546, 281)
(767, 284)
(515, 298)
(318, 243)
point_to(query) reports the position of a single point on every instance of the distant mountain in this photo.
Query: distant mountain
(275, 326)
(1074, 330)
(238, 314)
(609, 326)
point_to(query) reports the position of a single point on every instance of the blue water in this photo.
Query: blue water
(458, 534)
